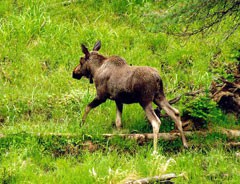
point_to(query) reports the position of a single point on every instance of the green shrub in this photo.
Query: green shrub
(202, 110)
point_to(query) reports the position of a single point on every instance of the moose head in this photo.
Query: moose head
(86, 64)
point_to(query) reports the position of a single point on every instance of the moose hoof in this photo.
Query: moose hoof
(185, 146)
(81, 124)
(119, 128)
(154, 153)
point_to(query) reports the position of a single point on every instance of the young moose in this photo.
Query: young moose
(114, 79)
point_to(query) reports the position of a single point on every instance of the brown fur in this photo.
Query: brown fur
(114, 79)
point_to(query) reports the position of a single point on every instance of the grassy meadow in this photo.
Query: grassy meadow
(39, 47)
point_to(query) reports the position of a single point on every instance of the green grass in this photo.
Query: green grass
(39, 160)
(40, 46)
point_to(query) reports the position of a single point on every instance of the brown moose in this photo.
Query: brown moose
(114, 79)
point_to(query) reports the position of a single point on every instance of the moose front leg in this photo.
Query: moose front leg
(119, 115)
(96, 102)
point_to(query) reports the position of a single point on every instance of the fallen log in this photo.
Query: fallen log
(174, 136)
(149, 136)
(156, 179)
(144, 136)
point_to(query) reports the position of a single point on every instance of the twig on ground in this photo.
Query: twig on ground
(156, 179)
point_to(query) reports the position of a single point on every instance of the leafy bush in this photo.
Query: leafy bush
(202, 110)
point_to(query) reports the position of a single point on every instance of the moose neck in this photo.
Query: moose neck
(95, 65)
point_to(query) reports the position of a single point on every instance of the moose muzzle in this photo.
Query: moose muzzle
(76, 76)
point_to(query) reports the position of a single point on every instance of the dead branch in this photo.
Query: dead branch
(230, 84)
(219, 94)
(193, 93)
(175, 100)
(231, 133)
(156, 179)
(233, 144)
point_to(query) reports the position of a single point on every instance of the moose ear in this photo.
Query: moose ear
(85, 51)
(97, 46)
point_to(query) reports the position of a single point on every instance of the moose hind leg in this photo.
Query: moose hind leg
(119, 115)
(155, 122)
(174, 114)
